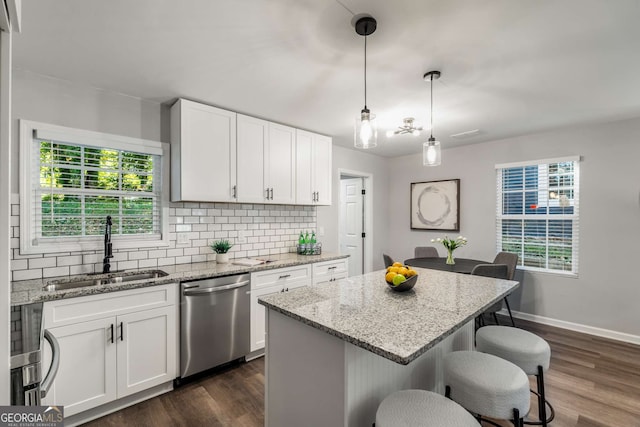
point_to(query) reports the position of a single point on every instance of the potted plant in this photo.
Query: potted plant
(221, 247)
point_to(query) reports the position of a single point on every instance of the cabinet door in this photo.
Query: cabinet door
(280, 164)
(253, 136)
(146, 349)
(203, 152)
(87, 374)
(304, 186)
(258, 321)
(321, 166)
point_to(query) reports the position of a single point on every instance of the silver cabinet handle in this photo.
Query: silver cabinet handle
(271, 193)
(332, 268)
(267, 196)
(284, 276)
(206, 291)
(55, 364)
(317, 196)
(121, 332)
(111, 333)
(234, 192)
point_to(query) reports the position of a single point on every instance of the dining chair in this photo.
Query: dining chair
(498, 271)
(425, 252)
(388, 261)
(511, 260)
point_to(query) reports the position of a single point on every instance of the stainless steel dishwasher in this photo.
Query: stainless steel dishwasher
(214, 322)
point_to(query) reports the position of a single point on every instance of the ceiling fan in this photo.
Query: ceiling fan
(407, 127)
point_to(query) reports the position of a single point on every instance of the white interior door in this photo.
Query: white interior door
(351, 224)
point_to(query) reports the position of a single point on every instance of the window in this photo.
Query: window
(73, 179)
(537, 213)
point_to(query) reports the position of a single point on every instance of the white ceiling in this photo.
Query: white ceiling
(509, 67)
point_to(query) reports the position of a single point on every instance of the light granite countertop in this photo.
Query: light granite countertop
(399, 326)
(29, 291)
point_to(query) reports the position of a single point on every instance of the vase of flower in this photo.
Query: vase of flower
(450, 259)
(451, 245)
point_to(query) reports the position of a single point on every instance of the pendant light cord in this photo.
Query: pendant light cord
(365, 72)
(431, 106)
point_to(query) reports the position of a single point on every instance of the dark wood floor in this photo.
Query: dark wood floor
(592, 382)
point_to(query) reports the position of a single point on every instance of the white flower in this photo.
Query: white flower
(438, 240)
(433, 240)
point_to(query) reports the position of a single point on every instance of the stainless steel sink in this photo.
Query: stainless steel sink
(104, 279)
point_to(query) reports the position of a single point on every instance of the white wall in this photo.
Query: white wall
(607, 291)
(328, 216)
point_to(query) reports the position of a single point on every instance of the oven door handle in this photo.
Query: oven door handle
(55, 363)
(205, 291)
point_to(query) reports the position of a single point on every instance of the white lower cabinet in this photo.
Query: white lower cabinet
(258, 323)
(330, 271)
(105, 357)
(270, 282)
(146, 350)
(87, 374)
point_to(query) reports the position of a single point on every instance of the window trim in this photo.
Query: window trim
(30, 130)
(575, 217)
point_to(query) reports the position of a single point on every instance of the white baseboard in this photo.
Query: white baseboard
(591, 330)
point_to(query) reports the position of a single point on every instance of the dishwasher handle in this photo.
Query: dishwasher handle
(206, 291)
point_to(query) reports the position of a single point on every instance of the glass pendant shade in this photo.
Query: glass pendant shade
(366, 130)
(431, 153)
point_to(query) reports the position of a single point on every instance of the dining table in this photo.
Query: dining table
(462, 265)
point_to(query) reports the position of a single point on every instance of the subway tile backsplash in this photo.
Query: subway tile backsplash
(267, 230)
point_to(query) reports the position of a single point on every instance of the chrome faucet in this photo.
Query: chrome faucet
(108, 250)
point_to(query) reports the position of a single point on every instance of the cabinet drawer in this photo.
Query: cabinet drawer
(330, 267)
(82, 309)
(300, 275)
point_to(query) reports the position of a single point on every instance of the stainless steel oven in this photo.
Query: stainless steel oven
(27, 338)
(214, 322)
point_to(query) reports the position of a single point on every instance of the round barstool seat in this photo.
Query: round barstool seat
(524, 349)
(487, 385)
(520, 347)
(417, 408)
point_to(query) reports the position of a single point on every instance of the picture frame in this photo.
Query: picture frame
(435, 205)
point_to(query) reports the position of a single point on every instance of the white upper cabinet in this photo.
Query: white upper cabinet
(253, 135)
(203, 153)
(266, 161)
(220, 156)
(313, 168)
(280, 161)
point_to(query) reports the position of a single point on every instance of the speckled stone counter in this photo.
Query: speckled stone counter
(28, 291)
(399, 326)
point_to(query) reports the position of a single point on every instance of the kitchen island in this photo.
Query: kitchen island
(335, 351)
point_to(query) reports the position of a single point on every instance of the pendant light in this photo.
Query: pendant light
(365, 131)
(431, 155)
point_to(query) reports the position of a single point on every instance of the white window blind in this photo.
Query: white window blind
(72, 183)
(538, 213)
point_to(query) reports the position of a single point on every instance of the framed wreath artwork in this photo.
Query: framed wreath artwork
(435, 205)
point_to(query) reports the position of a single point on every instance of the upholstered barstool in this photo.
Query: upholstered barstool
(524, 349)
(421, 408)
(487, 386)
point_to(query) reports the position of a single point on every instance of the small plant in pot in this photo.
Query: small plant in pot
(221, 248)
